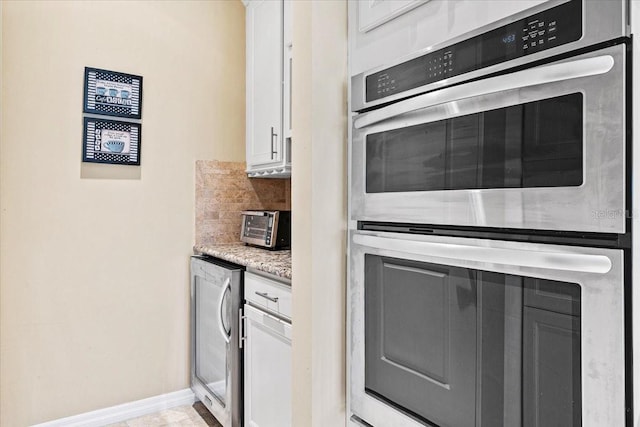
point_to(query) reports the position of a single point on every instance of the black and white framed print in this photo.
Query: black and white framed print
(113, 94)
(111, 141)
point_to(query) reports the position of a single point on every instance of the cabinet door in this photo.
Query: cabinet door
(267, 370)
(287, 70)
(373, 13)
(264, 81)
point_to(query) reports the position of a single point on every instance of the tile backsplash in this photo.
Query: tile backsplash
(223, 191)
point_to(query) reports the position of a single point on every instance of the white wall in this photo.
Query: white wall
(318, 196)
(94, 258)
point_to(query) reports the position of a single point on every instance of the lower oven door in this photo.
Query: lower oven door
(466, 332)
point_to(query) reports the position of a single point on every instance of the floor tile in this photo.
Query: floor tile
(181, 416)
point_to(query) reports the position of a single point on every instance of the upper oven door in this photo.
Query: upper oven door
(542, 148)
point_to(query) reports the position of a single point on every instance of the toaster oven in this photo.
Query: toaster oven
(268, 229)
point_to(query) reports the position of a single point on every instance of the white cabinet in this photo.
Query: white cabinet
(267, 354)
(266, 293)
(373, 13)
(268, 88)
(267, 370)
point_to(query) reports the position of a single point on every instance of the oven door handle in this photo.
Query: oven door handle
(530, 77)
(554, 260)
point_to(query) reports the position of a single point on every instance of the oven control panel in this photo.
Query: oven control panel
(538, 35)
(544, 30)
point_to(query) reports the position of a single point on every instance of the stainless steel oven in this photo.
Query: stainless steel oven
(539, 148)
(489, 279)
(465, 332)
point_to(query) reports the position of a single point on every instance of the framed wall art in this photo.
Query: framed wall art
(112, 94)
(111, 141)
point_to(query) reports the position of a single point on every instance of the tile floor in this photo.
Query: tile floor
(181, 416)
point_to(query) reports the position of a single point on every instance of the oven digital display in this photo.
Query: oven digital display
(550, 28)
(509, 38)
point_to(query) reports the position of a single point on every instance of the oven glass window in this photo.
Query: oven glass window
(256, 226)
(461, 347)
(537, 144)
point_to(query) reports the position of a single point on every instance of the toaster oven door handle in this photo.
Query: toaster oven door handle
(531, 77)
(223, 330)
(255, 213)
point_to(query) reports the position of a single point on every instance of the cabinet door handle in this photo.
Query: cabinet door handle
(241, 328)
(266, 295)
(290, 91)
(273, 136)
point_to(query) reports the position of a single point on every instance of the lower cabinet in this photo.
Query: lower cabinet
(267, 366)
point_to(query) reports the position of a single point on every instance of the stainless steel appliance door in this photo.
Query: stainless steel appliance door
(257, 227)
(598, 273)
(412, 135)
(215, 368)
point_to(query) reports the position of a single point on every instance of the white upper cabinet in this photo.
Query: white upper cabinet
(382, 32)
(268, 89)
(373, 13)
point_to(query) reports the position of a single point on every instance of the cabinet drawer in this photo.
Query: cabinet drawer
(270, 294)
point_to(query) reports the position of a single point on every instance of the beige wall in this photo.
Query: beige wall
(94, 271)
(318, 197)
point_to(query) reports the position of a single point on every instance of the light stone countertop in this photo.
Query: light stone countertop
(277, 263)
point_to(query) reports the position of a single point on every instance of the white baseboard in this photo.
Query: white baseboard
(126, 411)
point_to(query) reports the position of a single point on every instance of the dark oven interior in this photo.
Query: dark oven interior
(461, 347)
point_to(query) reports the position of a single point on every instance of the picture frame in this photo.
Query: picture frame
(112, 93)
(111, 141)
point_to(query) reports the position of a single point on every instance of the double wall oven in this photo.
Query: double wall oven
(489, 277)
